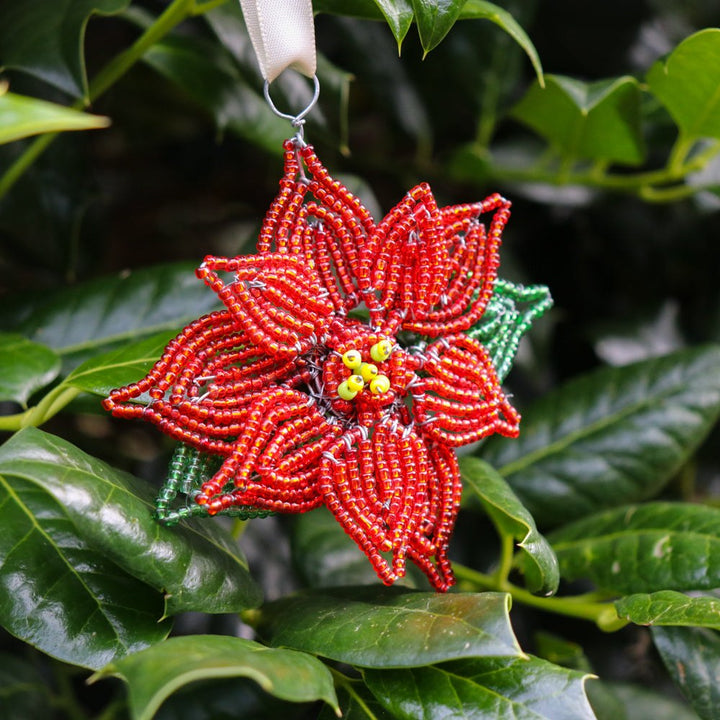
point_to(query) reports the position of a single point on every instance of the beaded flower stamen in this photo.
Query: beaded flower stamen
(349, 360)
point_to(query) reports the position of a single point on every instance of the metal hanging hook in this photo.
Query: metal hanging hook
(297, 121)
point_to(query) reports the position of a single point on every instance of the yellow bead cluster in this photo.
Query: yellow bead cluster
(365, 373)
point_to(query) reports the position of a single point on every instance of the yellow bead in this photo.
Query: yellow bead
(368, 371)
(355, 383)
(380, 385)
(380, 351)
(345, 392)
(352, 359)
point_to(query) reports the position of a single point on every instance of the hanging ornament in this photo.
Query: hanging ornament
(350, 359)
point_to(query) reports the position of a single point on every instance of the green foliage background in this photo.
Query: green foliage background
(134, 139)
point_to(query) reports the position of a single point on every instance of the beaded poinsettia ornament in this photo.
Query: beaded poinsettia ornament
(348, 362)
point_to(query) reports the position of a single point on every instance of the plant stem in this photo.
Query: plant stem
(506, 559)
(50, 405)
(603, 614)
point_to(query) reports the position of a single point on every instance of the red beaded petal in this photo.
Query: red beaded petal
(459, 400)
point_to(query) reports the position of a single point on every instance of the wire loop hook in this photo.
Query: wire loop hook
(297, 121)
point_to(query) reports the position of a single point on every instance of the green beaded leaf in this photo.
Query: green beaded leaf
(511, 311)
(189, 469)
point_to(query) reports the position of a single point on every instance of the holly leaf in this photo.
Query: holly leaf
(26, 367)
(22, 116)
(383, 628)
(686, 83)
(589, 121)
(59, 593)
(668, 607)
(602, 440)
(45, 38)
(511, 518)
(356, 703)
(97, 316)
(643, 548)
(123, 366)
(692, 657)
(197, 566)
(482, 688)
(154, 674)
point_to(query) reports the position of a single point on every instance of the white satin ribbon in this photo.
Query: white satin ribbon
(283, 35)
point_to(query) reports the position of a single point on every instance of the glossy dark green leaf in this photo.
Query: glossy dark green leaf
(229, 699)
(692, 657)
(384, 628)
(398, 15)
(99, 315)
(356, 703)
(611, 437)
(434, 19)
(483, 689)
(633, 702)
(482, 10)
(127, 364)
(197, 565)
(643, 548)
(206, 72)
(22, 116)
(60, 594)
(590, 121)
(24, 367)
(154, 674)
(668, 607)
(23, 691)
(686, 82)
(45, 38)
(510, 517)
(325, 556)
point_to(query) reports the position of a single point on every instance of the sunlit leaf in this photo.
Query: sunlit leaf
(686, 82)
(591, 121)
(22, 116)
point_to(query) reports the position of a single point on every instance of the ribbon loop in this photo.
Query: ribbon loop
(283, 35)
